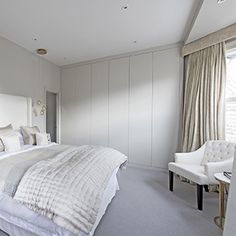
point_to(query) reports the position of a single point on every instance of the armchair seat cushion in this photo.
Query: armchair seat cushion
(195, 173)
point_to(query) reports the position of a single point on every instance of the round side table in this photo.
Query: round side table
(223, 181)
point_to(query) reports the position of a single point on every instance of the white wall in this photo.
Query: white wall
(25, 74)
(131, 103)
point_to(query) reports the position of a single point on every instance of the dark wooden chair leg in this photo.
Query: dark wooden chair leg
(200, 197)
(171, 180)
(206, 188)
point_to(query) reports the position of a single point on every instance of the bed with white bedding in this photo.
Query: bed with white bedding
(50, 190)
(17, 219)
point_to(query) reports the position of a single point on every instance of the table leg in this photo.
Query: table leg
(221, 203)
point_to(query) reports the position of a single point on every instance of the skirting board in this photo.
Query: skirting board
(147, 167)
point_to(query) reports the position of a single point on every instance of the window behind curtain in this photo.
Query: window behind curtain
(230, 111)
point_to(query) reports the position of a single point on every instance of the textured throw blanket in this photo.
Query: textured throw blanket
(69, 187)
(14, 167)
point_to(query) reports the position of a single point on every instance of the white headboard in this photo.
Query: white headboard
(15, 110)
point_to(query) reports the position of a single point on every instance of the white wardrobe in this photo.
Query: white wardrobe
(130, 103)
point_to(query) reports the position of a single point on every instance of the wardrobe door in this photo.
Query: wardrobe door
(68, 98)
(140, 120)
(166, 99)
(83, 104)
(118, 104)
(99, 118)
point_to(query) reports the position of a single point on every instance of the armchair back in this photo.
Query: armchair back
(218, 150)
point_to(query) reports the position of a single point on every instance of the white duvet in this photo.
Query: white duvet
(68, 187)
(26, 222)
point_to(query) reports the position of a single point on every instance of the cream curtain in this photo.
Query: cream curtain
(204, 94)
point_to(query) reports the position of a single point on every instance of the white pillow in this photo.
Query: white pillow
(4, 131)
(11, 143)
(29, 134)
(20, 136)
(41, 139)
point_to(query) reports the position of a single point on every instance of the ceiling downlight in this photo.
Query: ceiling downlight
(124, 8)
(41, 51)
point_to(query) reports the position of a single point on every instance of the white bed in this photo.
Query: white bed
(15, 218)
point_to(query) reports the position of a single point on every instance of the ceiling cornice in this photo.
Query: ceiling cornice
(135, 53)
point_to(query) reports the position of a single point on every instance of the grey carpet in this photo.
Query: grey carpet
(145, 207)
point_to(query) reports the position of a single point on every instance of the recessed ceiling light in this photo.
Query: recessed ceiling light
(221, 1)
(41, 51)
(124, 8)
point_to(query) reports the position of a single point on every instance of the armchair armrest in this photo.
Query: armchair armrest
(212, 168)
(191, 158)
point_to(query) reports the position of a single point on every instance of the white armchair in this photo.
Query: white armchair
(201, 165)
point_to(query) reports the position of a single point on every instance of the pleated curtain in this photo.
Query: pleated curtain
(204, 97)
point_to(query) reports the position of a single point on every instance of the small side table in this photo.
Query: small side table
(223, 181)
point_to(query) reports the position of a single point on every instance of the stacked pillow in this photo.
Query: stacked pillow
(9, 140)
(12, 140)
(33, 136)
(42, 139)
(11, 143)
(29, 134)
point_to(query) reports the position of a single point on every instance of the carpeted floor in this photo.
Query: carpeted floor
(145, 207)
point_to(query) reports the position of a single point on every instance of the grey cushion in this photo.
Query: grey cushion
(29, 134)
(5, 131)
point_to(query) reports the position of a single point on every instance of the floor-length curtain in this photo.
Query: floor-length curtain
(204, 95)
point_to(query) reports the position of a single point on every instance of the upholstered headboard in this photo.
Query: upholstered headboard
(15, 110)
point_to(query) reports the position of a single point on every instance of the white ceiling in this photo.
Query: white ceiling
(79, 30)
(213, 17)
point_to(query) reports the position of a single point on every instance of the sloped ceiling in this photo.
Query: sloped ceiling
(78, 30)
(212, 17)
